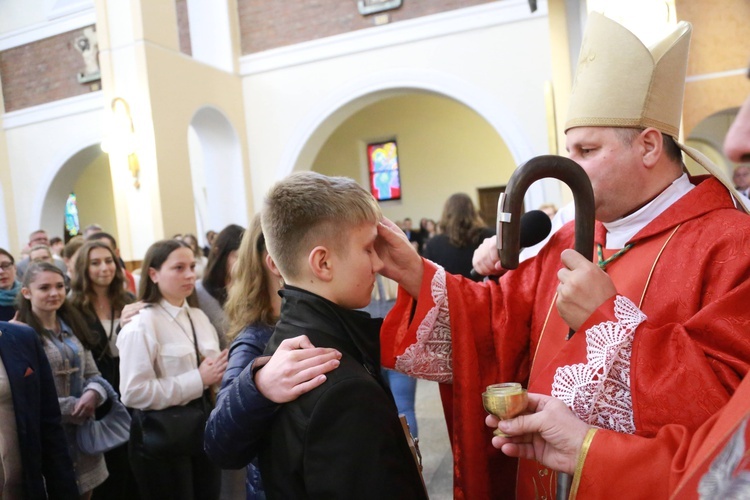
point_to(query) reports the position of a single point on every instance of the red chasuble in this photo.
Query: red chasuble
(670, 348)
(713, 462)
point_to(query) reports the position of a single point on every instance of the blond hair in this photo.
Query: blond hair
(249, 297)
(307, 209)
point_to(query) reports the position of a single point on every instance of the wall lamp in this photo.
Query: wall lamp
(119, 139)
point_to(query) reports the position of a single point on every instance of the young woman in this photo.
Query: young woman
(252, 309)
(67, 343)
(212, 289)
(98, 293)
(9, 287)
(462, 231)
(159, 369)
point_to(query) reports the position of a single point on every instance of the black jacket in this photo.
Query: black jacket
(342, 439)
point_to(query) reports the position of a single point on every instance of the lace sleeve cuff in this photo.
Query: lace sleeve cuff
(430, 357)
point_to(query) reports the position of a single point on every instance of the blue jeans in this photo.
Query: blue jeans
(403, 388)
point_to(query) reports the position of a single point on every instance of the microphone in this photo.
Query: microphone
(535, 226)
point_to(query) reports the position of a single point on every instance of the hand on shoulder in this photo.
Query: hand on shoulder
(295, 368)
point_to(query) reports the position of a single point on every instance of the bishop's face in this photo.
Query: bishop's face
(614, 168)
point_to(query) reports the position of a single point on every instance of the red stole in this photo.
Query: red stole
(630, 273)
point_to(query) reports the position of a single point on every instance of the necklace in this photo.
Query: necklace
(602, 262)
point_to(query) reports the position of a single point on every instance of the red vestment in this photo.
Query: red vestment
(711, 462)
(670, 349)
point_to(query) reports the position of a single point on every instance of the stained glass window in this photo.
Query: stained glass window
(71, 216)
(385, 180)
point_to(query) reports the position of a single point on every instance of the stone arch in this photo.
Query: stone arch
(308, 138)
(60, 178)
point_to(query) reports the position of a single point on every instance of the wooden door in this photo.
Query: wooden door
(488, 204)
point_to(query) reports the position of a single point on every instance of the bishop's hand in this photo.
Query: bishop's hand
(401, 262)
(583, 288)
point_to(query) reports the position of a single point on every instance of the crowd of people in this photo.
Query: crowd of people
(636, 363)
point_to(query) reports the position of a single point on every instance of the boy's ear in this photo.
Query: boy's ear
(271, 265)
(320, 263)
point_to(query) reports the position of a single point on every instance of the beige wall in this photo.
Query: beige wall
(36, 154)
(96, 204)
(444, 148)
(8, 234)
(141, 62)
(500, 69)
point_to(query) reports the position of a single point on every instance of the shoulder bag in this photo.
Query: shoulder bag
(113, 430)
(173, 431)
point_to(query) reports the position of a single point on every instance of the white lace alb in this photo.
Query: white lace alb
(598, 391)
(430, 357)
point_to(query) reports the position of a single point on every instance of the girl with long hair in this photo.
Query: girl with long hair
(98, 293)
(169, 357)
(212, 289)
(252, 308)
(462, 230)
(67, 342)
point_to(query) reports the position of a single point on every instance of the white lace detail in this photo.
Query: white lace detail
(430, 357)
(599, 390)
(723, 479)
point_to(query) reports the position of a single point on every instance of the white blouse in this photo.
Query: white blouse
(158, 368)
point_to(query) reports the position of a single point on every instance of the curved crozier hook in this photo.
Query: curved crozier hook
(511, 202)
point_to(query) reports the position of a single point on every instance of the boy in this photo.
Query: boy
(342, 439)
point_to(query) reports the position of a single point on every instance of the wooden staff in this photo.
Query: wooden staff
(509, 207)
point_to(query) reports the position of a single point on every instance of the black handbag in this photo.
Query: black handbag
(171, 432)
(174, 431)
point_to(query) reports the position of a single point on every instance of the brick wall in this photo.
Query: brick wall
(42, 72)
(183, 27)
(719, 43)
(268, 24)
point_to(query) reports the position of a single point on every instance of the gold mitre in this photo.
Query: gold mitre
(620, 82)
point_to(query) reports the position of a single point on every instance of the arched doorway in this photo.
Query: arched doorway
(87, 174)
(443, 146)
(216, 167)
(312, 133)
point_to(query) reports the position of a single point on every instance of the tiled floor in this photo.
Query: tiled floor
(437, 459)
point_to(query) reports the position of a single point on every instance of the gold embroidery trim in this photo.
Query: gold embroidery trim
(541, 335)
(653, 266)
(581, 459)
